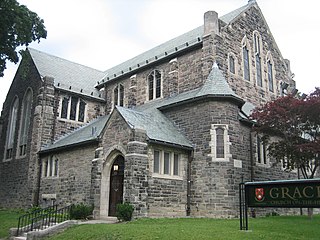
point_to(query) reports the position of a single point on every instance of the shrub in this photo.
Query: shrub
(80, 211)
(124, 211)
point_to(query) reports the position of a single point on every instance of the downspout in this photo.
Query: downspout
(188, 208)
(251, 158)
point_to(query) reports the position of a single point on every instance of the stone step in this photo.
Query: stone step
(20, 238)
(101, 220)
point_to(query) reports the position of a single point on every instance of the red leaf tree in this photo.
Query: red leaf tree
(294, 125)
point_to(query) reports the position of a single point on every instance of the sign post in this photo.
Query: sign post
(284, 194)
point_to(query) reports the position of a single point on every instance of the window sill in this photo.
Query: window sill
(70, 121)
(218, 159)
(267, 165)
(163, 176)
(49, 178)
(7, 160)
(22, 156)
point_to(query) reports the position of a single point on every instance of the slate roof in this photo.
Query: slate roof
(67, 73)
(173, 46)
(158, 128)
(147, 116)
(87, 133)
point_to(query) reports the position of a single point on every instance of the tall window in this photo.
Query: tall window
(231, 64)
(261, 151)
(166, 163)
(118, 95)
(246, 62)
(220, 143)
(270, 75)
(270, 72)
(25, 122)
(154, 84)
(73, 108)
(257, 51)
(11, 128)
(50, 166)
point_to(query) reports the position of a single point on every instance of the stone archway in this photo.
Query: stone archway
(111, 183)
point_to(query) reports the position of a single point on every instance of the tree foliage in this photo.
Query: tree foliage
(18, 27)
(295, 123)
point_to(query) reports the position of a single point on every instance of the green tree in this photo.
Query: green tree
(295, 122)
(18, 27)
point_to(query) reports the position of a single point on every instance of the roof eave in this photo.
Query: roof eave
(184, 147)
(238, 100)
(149, 63)
(56, 149)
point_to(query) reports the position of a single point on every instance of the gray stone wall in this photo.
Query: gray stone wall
(230, 42)
(14, 174)
(214, 184)
(179, 74)
(167, 195)
(73, 183)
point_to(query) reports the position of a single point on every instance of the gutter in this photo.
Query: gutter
(171, 144)
(69, 146)
(198, 98)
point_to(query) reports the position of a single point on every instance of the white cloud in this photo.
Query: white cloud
(103, 33)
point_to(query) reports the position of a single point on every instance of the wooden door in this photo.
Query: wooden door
(116, 185)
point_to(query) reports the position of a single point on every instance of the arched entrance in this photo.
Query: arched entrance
(116, 185)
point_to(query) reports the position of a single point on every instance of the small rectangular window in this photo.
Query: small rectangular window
(73, 108)
(270, 76)
(82, 107)
(156, 162)
(220, 142)
(158, 84)
(246, 63)
(64, 107)
(121, 95)
(176, 164)
(258, 66)
(166, 167)
(150, 87)
(231, 64)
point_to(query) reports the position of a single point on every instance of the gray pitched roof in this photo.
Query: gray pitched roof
(87, 133)
(158, 128)
(166, 49)
(216, 84)
(66, 74)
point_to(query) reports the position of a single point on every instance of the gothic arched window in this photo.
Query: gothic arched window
(246, 62)
(155, 84)
(25, 122)
(11, 128)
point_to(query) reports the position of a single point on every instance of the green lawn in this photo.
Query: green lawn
(298, 227)
(284, 227)
(8, 219)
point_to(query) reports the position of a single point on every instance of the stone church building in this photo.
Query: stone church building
(167, 131)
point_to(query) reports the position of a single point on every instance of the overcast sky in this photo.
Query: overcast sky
(104, 33)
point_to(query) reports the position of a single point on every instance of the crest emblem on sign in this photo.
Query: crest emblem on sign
(259, 194)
